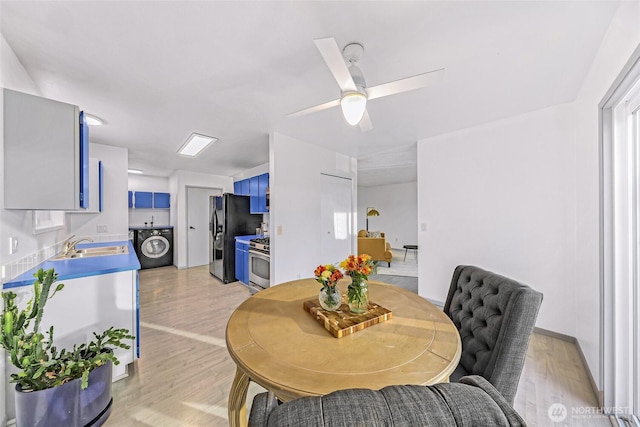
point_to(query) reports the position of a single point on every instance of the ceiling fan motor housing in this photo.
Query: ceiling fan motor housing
(357, 76)
(352, 53)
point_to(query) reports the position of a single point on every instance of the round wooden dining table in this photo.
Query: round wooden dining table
(280, 346)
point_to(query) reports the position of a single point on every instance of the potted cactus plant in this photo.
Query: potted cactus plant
(56, 387)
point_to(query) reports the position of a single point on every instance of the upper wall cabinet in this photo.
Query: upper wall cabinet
(143, 199)
(241, 188)
(148, 200)
(257, 187)
(46, 154)
(161, 200)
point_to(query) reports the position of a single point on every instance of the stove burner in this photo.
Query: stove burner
(261, 244)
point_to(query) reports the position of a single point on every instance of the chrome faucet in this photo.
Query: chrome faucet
(69, 246)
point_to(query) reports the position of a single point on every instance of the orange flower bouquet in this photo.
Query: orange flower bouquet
(358, 267)
(330, 297)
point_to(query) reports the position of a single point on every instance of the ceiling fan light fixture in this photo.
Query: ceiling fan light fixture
(353, 106)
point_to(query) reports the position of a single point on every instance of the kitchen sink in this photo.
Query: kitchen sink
(93, 252)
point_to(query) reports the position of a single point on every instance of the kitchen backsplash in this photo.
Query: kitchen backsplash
(16, 268)
(137, 217)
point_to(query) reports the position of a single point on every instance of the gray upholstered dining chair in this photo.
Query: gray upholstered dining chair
(471, 402)
(495, 316)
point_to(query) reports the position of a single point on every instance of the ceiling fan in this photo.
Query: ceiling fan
(354, 93)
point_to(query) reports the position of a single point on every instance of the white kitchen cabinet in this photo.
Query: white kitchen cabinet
(46, 154)
(91, 304)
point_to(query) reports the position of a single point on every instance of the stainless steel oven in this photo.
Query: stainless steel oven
(259, 263)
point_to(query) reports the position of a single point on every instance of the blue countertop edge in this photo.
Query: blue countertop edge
(245, 239)
(150, 227)
(82, 267)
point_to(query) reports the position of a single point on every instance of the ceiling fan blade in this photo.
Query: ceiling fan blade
(365, 123)
(333, 57)
(320, 107)
(405, 85)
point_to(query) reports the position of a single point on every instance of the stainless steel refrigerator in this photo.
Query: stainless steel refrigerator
(229, 217)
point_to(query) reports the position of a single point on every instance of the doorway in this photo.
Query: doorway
(620, 249)
(198, 205)
(336, 218)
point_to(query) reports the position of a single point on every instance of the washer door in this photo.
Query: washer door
(155, 247)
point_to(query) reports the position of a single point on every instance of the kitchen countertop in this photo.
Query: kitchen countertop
(149, 227)
(245, 239)
(83, 267)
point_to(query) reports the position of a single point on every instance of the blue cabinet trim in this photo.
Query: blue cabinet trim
(100, 185)
(137, 315)
(84, 162)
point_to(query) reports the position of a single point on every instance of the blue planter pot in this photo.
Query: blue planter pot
(67, 405)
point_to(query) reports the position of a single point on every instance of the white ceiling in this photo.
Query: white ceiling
(157, 71)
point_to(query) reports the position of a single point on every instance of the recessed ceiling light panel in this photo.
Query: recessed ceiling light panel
(138, 171)
(195, 144)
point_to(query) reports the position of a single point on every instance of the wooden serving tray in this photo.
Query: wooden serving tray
(342, 322)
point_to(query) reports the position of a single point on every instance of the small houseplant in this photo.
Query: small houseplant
(42, 367)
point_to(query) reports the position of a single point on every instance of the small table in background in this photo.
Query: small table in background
(413, 248)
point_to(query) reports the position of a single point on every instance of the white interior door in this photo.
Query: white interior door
(198, 224)
(336, 223)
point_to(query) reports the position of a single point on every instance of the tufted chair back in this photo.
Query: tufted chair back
(495, 316)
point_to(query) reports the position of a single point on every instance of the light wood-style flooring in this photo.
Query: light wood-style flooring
(184, 374)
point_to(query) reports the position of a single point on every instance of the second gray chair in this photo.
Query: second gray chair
(495, 316)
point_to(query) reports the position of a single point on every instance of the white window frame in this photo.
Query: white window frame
(620, 238)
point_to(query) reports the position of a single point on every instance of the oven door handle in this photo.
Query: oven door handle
(260, 254)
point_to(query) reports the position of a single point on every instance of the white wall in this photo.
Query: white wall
(155, 184)
(258, 170)
(295, 213)
(622, 38)
(544, 229)
(501, 196)
(178, 182)
(114, 196)
(398, 207)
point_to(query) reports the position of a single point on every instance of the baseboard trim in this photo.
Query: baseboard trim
(598, 393)
(438, 304)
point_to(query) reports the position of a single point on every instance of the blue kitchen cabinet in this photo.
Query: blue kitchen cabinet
(241, 188)
(258, 187)
(143, 199)
(242, 262)
(263, 185)
(130, 199)
(161, 200)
